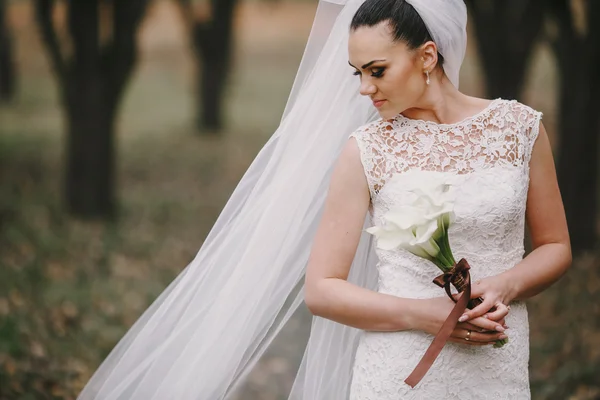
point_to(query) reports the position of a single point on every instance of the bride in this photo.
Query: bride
(348, 149)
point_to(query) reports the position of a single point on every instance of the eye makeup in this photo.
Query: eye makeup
(376, 72)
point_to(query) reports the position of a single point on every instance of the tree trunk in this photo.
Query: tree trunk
(7, 71)
(578, 152)
(213, 43)
(92, 83)
(578, 55)
(89, 184)
(506, 33)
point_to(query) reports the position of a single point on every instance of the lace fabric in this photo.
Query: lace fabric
(502, 134)
(487, 158)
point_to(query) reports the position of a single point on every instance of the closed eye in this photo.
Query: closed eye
(376, 72)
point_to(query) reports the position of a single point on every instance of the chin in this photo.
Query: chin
(387, 110)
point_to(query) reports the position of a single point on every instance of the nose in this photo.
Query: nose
(367, 88)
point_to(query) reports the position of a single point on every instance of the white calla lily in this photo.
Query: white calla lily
(421, 227)
(390, 238)
(407, 216)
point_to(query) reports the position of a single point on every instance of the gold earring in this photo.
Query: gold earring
(428, 81)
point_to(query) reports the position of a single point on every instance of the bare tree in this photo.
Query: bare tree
(213, 41)
(506, 33)
(91, 82)
(576, 43)
(7, 70)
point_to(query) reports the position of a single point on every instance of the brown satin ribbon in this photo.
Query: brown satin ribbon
(460, 270)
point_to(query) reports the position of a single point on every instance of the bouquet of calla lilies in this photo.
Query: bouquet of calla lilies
(421, 227)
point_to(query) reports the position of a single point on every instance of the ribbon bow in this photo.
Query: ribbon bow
(459, 276)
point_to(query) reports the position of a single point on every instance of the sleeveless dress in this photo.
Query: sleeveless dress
(487, 158)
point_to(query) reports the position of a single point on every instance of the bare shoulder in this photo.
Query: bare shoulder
(348, 172)
(480, 102)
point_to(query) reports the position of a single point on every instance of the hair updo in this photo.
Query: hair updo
(406, 23)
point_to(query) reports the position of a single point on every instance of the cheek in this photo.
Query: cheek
(402, 87)
(404, 82)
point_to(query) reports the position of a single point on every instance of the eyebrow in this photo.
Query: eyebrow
(367, 65)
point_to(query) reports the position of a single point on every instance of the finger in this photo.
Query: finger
(470, 326)
(459, 341)
(477, 311)
(500, 321)
(503, 323)
(500, 312)
(471, 336)
(469, 343)
(468, 335)
(487, 324)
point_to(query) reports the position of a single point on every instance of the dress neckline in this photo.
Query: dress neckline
(477, 115)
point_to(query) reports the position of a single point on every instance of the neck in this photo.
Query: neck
(442, 103)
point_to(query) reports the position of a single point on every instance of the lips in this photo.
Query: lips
(378, 103)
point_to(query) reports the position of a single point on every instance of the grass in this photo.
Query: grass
(70, 289)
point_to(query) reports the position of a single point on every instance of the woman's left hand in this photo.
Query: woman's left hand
(496, 299)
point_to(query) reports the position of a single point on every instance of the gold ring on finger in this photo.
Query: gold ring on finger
(468, 335)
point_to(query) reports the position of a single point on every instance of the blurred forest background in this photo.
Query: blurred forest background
(125, 126)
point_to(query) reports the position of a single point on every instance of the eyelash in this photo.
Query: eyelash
(377, 72)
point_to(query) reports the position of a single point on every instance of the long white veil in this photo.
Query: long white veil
(206, 331)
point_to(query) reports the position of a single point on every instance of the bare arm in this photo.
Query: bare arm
(327, 292)
(547, 223)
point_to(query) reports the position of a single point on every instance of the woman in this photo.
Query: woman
(497, 155)
(308, 196)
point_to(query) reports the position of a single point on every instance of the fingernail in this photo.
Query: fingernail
(502, 337)
(463, 318)
(505, 326)
(499, 328)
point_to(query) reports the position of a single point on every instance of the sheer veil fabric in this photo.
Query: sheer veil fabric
(206, 331)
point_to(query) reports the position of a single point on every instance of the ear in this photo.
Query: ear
(429, 55)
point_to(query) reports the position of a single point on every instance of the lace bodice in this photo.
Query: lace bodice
(487, 158)
(502, 134)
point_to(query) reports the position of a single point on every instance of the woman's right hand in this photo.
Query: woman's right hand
(483, 331)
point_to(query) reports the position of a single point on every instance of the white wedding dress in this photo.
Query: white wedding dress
(487, 157)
